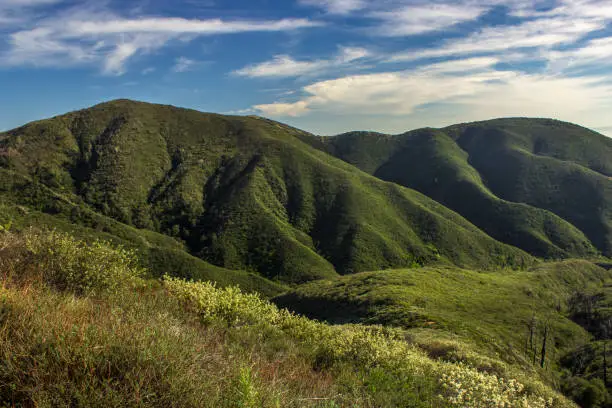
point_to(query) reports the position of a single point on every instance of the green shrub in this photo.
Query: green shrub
(178, 345)
(69, 264)
(227, 304)
(587, 393)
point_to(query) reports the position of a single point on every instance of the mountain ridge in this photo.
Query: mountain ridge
(464, 160)
(243, 193)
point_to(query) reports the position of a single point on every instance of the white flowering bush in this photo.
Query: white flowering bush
(465, 387)
(365, 347)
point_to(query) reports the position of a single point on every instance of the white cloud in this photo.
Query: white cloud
(13, 12)
(462, 66)
(115, 61)
(28, 3)
(412, 20)
(350, 54)
(541, 33)
(241, 112)
(182, 26)
(286, 66)
(280, 66)
(184, 64)
(336, 6)
(470, 90)
(284, 109)
(595, 53)
(87, 36)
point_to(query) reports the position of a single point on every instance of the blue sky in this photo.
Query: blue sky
(326, 66)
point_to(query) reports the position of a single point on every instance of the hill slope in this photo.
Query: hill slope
(74, 334)
(541, 185)
(552, 316)
(241, 192)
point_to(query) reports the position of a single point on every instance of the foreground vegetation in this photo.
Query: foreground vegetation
(82, 325)
(552, 320)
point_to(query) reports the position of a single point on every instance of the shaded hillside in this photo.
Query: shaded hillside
(241, 192)
(24, 203)
(541, 185)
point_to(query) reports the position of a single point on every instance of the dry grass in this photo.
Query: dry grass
(135, 348)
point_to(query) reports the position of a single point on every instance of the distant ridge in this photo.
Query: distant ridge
(528, 182)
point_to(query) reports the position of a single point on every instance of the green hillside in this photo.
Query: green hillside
(486, 308)
(242, 193)
(80, 327)
(24, 203)
(541, 185)
(496, 316)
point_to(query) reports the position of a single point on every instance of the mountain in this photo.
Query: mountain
(451, 242)
(242, 193)
(541, 185)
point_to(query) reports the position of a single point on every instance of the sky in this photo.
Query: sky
(326, 66)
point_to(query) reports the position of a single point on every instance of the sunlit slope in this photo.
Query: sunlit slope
(242, 193)
(491, 310)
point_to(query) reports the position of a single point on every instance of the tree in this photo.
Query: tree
(529, 343)
(544, 339)
(605, 329)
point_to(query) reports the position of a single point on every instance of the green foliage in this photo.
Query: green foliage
(228, 304)
(241, 193)
(70, 264)
(541, 185)
(131, 347)
(246, 390)
(191, 344)
(158, 253)
(478, 318)
(587, 393)
(464, 388)
(246, 201)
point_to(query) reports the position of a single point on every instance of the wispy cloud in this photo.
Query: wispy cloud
(87, 36)
(28, 3)
(286, 66)
(594, 54)
(184, 64)
(473, 78)
(540, 33)
(472, 88)
(412, 20)
(336, 6)
(182, 26)
(13, 12)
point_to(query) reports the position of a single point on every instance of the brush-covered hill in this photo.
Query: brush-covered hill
(242, 193)
(542, 185)
(73, 333)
